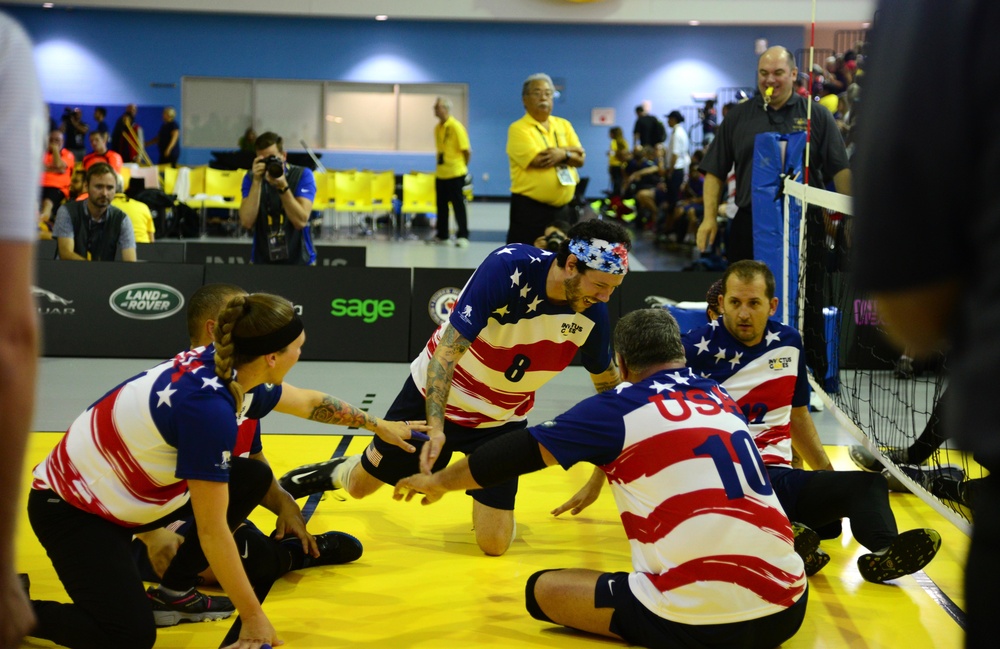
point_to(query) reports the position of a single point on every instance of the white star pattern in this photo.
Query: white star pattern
(525, 291)
(679, 378)
(702, 346)
(705, 375)
(772, 337)
(534, 259)
(212, 383)
(621, 386)
(515, 279)
(502, 311)
(721, 356)
(165, 395)
(660, 387)
(505, 251)
(534, 304)
(735, 360)
(714, 324)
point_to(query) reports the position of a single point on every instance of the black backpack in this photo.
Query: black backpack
(160, 204)
(181, 222)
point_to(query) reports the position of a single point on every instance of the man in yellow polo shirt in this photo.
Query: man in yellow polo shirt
(452, 143)
(544, 152)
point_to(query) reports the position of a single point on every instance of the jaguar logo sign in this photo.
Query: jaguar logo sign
(146, 301)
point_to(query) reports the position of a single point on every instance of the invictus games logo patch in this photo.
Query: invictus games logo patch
(780, 363)
(146, 301)
(570, 328)
(441, 303)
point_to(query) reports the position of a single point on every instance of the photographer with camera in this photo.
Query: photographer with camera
(277, 200)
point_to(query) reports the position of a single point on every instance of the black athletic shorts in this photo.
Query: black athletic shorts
(390, 464)
(640, 626)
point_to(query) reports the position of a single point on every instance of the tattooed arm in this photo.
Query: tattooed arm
(439, 374)
(326, 409)
(607, 379)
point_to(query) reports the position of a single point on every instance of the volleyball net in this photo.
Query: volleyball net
(890, 403)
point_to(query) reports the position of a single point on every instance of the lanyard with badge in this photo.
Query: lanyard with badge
(277, 246)
(563, 173)
(442, 141)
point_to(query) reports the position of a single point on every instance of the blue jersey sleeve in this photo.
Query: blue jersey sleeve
(265, 398)
(597, 349)
(591, 431)
(307, 185)
(206, 435)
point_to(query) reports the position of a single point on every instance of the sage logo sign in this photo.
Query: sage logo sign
(368, 310)
(147, 301)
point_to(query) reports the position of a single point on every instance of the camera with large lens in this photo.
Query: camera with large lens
(554, 240)
(275, 166)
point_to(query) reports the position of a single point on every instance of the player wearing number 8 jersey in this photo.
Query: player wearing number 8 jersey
(760, 363)
(713, 559)
(518, 322)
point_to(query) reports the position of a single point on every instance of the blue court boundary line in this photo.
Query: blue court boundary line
(310, 508)
(935, 593)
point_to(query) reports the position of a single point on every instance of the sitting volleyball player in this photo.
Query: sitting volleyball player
(712, 552)
(264, 558)
(159, 447)
(519, 321)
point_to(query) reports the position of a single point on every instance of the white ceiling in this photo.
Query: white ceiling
(840, 13)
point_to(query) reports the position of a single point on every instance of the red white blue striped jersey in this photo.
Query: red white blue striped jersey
(520, 339)
(128, 457)
(767, 380)
(710, 543)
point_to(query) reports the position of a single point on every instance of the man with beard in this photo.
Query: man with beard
(518, 322)
(95, 230)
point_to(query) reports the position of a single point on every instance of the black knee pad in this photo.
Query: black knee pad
(530, 603)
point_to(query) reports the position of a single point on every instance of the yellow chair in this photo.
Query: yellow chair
(223, 190)
(419, 195)
(126, 176)
(352, 194)
(169, 178)
(383, 191)
(196, 185)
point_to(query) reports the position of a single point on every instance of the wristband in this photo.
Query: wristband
(286, 188)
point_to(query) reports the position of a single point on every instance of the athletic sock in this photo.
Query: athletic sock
(342, 472)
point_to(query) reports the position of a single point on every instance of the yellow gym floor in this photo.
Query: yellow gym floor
(422, 581)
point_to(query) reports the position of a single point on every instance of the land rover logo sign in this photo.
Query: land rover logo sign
(147, 301)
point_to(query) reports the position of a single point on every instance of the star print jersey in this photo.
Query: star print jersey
(710, 543)
(128, 456)
(520, 340)
(767, 380)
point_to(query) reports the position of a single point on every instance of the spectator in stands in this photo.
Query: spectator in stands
(836, 75)
(277, 201)
(734, 145)
(100, 125)
(99, 144)
(121, 137)
(544, 152)
(246, 141)
(678, 159)
(709, 122)
(58, 164)
(618, 157)
(700, 560)
(76, 132)
(648, 131)
(168, 139)
(95, 230)
(140, 216)
(683, 222)
(453, 151)
(642, 175)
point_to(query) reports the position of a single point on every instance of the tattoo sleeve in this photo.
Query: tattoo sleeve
(340, 413)
(440, 372)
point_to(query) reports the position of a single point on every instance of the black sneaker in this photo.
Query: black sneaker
(189, 607)
(865, 461)
(806, 540)
(334, 548)
(908, 553)
(815, 562)
(311, 478)
(925, 476)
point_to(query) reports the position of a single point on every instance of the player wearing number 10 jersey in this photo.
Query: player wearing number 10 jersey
(519, 321)
(760, 363)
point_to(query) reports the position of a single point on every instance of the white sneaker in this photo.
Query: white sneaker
(462, 242)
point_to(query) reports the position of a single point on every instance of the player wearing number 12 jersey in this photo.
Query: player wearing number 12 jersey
(713, 559)
(519, 321)
(760, 363)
